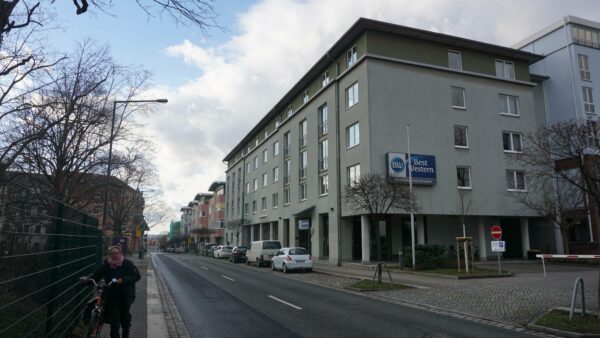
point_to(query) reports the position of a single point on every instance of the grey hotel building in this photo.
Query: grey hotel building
(468, 105)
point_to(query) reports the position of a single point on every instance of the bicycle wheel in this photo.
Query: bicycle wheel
(93, 329)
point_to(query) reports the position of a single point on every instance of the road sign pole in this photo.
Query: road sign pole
(499, 267)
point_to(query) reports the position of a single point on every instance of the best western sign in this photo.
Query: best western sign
(423, 168)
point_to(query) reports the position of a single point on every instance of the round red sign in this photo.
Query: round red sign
(496, 232)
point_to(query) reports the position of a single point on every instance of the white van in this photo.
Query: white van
(261, 252)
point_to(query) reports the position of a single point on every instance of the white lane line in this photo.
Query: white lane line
(205, 268)
(284, 302)
(231, 279)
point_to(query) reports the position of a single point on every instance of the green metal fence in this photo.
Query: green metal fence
(45, 246)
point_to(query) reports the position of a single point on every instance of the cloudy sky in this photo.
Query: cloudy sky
(221, 85)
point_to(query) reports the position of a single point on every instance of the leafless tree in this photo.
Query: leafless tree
(236, 226)
(562, 161)
(78, 106)
(376, 196)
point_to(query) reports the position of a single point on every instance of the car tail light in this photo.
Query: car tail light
(288, 258)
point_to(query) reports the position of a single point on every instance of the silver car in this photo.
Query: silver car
(223, 251)
(295, 258)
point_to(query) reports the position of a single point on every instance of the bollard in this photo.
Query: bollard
(401, 260)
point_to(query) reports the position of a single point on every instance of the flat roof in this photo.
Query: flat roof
(557, 25)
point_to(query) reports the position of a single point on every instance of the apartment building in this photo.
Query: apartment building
(571, 50)
(468, 104)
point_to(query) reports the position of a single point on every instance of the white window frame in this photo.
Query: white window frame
(511, 138)
(255, 184)
(466, 137)
(588, 100)
(505, 99)
(508, 69)
(353, 174)
(454, 52)
(351, 57)
(323, 185)
(254, 207)
(584, 67)
(513, 173)
(290, 111)
(462, 93)
(286, 196)
(275, 148)
(325, 79)
(593, 133)
(265, 155)
(305, 96)
(247, 187)
(265, 180)
(275, 200)
(324, 155)
(263, 203)
(353, 134)
(275, 174)
(287, 172)
(303, 190)
(248, 167)
(303, 131)
(470, 186)
(287, 144)
(303, 167)
(255, 162)
(352, 95)
(323, 117)
(247, 209)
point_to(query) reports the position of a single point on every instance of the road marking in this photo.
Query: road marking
(205, 268)
(284, 302)
(231, 279)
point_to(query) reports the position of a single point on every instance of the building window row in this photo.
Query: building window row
(515, 179)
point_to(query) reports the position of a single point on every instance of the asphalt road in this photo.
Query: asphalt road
(221, 299)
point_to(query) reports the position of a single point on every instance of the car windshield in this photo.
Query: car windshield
(298, 251)
(272, 245)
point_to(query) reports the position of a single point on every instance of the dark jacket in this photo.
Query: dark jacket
(128, 272)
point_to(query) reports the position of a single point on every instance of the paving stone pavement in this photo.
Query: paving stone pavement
(517, 299)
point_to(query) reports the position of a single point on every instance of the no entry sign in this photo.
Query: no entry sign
(496, 232)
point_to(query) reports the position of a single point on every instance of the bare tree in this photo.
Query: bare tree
(563, 158)
(236, 226)
(376, 196)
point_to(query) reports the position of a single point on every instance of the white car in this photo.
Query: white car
(292, 259)
(223, 251)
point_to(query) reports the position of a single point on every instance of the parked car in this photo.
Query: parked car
(180, 250)
(261, 252)
(211, 251)
(292, 259)
(223, 251)
(206, 249)
(238, 254)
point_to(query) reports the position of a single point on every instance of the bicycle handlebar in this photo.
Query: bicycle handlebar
(114, 280)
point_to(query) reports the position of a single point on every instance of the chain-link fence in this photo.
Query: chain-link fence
(45, 246)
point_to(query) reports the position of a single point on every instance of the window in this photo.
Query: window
(275, 174)
(324, 185)
(263, 203)
(265, 156)
(460, 137)
(303, 133)
(303, 191)
(586, 36)
(351, 57)
(509, 105)
(275, 148)
(584, 68)
(454, 60)
(353, 135)
(287, 167)
(588, 100)
(303, 164)
(593, 134)
(254, 207)
(325, 79)
(247, 187)
(512, 142)
(246, 208)
(266, 133)
(255, 162)
(277, 121)
(353, 174)
(323, 154)
(265, 180)
(352, 95)
(323, 120)
(256, 142)
(287, 144)
(458, 97)
(248, 167)
(515, 180)
(305, 97)
(463, 177)
(275, 200)
(505, 69)
(255, 184)
(290, 111)
(286, 196)
(203, 214)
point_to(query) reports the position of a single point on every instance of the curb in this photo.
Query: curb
(550, 330)
(174, 324)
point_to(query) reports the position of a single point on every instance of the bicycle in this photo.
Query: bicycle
(98, 312)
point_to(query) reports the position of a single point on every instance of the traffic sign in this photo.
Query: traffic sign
(496, 232)
(498, 246)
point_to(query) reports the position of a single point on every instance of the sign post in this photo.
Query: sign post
(498, 246)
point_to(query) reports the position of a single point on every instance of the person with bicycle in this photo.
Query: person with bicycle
(121, 294)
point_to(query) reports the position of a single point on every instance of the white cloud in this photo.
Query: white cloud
(242, 78)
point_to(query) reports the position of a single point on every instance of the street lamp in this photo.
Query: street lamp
(110, 144)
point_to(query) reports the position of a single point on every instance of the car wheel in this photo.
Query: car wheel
(284, 268)
(273, 266)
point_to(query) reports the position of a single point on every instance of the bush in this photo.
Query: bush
(428, 257)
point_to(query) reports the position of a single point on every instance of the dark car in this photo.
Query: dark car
(238, 254)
